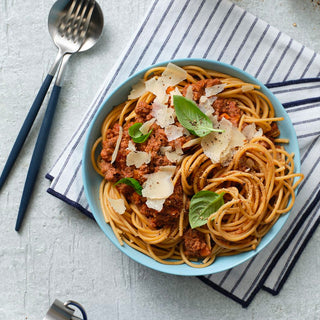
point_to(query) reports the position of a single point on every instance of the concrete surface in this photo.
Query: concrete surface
(61, 254)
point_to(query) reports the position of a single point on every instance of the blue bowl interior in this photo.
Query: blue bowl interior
(92, 180)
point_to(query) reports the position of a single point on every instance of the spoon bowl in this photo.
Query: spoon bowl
(94, 29)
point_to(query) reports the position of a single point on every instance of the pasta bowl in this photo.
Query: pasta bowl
(92, 180)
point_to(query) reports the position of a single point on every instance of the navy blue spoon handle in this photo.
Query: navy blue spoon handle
(25, 129)
(37, 155)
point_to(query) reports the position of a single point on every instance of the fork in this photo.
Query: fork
(69, 38)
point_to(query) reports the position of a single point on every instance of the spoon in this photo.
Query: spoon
(74, 26)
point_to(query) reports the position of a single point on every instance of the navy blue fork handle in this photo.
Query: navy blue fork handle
(24, 131)
(37, 155)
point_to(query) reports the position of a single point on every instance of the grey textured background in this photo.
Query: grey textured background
(61, 254)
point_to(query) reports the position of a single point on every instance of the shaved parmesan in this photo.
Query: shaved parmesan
(173, 75)
(215, 143)
(117, 205)
(159, 184)
(251, 132)
(163, 150)
(214, 90)
(173, 132)
(158, 88)
(189, 93)
(247, 87)
(138, 90)
(131, 146)
(156, 204)
(144, 129)
(174, 156)
(205, 105)
(192, 143)
(137, 158)
(116, 149)
(175, 92)
(237, 140)
(164, 115)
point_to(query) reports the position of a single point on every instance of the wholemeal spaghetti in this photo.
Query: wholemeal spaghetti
(154, 174)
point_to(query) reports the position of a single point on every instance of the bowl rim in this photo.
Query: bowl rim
(143, 259)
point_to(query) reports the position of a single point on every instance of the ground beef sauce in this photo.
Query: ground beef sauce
(194, 242)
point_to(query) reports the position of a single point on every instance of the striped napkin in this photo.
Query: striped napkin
(220, 30)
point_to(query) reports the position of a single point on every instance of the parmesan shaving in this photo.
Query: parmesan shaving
(163, 150)
(174, 156)
(189, 93)
(164, 115)
(175, 92)
(158, 88)
(215, 143)
(205, 104)
(251, 132)
(144, 129)
(192, 143)
(116, 149)
(247, 87)
(214, 90)
(173, 132)
(156, 204)
(117, 205)
(171, 76)
(138, 90)
(131, 146)
(137, 158)
(159, 184)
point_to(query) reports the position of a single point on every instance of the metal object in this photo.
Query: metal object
(62, 311)
(75, 26)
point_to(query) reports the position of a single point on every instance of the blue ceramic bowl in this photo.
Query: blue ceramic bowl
(91, 179)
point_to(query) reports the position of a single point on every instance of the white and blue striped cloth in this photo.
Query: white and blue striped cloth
(220, 30)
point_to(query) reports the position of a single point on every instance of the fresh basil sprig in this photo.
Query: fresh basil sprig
(132, 183)
(136, 135)
(202, 205)
(192, 118)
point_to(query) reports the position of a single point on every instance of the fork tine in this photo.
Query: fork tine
(65, 18)
(74, 19)
(84, 25)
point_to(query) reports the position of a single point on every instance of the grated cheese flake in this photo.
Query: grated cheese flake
(215, 143)
(116, 149)
(138, 90)
(137, 158)
(117, 205)
(144, 129)
(173, 75)
(205, 104)
(164, 115)
(247, 87)
(158, 88)
(173, 132)
(250, 131)
(214, 90)
(174, 156)
(156, 204)
(159, 184)
(189, 93)
(131, 146)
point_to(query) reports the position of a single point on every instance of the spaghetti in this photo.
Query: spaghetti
(255, 177)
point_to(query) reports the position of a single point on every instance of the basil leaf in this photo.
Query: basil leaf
(202, 205)
(132, 183)
(136, 135)
(192, 118)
